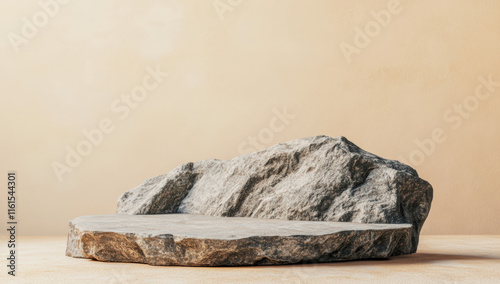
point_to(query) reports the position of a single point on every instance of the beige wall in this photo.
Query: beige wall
(228, 78)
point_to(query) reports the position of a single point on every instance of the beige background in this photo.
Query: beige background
(226, 80)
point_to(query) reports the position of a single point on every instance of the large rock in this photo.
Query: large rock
(197, 240)
(311, 179)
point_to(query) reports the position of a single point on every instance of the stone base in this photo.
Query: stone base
(197, 240)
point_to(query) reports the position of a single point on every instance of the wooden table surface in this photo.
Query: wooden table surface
(440, 259)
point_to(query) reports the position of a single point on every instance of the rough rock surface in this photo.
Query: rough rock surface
(198, 240)
(313, 179)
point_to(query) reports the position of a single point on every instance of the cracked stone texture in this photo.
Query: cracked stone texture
(198, 240)
(313, 179)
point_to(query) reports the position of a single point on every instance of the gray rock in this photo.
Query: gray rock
(311, 179)
(197, 240)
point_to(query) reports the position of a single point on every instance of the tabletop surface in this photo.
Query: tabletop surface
(440, 259)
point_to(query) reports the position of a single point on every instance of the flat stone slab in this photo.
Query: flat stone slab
(198, 240)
